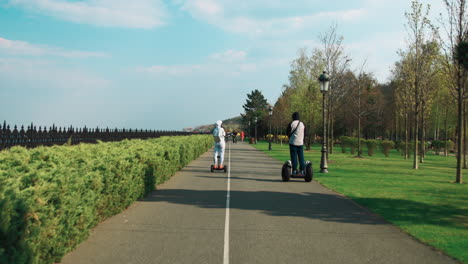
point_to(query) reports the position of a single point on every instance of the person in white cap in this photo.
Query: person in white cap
(220, 144)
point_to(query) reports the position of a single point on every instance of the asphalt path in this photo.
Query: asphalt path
(247, 215)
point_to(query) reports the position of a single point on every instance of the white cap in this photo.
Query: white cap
(219, 122)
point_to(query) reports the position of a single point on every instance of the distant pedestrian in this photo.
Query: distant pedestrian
(296, 132)
(242, 136)
(220, 143)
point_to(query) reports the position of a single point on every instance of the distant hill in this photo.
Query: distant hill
(230, 124)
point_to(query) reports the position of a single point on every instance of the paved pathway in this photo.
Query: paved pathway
(187, 221)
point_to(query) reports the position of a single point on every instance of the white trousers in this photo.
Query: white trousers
(219, 151)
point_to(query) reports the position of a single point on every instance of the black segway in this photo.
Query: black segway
(287, 173)
(218, 169)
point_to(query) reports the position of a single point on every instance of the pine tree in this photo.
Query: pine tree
(255, 107)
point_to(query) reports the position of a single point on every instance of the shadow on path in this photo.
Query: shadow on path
(325, 207)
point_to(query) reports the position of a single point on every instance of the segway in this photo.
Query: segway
(287, 173)
(218, 169)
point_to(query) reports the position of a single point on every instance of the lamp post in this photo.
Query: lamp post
(270, 113)
(324, 82)
(256, 130)
(250, 131)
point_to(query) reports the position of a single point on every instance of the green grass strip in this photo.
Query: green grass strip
(425, 203)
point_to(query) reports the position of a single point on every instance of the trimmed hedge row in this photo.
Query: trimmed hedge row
(371, 145)
(50, 197)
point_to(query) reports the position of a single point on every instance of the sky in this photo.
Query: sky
(167, 65)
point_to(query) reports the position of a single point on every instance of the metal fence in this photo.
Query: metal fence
(32, 137)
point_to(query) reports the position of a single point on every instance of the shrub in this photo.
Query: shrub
(401, 146)
(371, 146)
(283, 138)
(387, 146)
(353, 143)
(269, 137)
(438, 145)
(398, 145)
(344, 142)
(450, 145)
(50, 197)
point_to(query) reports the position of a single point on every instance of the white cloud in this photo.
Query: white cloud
(228, 63)
(111, 13)
(176, 70)
(380, 51)
(203, 7)
(43, 74)
(280, 26)
(229, 56)
(17, 47)
(232, 16)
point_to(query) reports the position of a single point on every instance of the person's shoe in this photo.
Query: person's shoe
(294, 172)
(221, 167)
(302, 172)
(216, 166)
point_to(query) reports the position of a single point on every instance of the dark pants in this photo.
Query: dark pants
(296, 151)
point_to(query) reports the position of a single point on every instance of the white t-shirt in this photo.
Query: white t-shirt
(297, 138)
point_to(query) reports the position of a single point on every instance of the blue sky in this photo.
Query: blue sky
(171, 64)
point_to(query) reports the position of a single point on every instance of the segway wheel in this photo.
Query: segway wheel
(285, 172)
(309, 172)
(225, 168)
(212, 168)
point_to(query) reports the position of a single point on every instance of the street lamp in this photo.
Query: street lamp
(256, 130)
(324, 82)
(250, 132)
(270, 113)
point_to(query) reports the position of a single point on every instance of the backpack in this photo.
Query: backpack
(216, 137)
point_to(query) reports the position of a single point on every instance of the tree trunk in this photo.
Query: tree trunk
(328, 125)
(332, 138)
(423, 139)
(359, 121)
(464, 135)
(359, 137)
(406, 135)
(458, 178)
(416, 122)
(446, 133)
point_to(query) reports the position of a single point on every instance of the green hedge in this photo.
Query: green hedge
(371, 145)
(438, 145)
(386, 146)
(50, 197)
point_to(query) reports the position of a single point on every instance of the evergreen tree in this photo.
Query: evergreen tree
(256, 106)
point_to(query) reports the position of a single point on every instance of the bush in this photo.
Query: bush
(50, 197)
(344, 142)
(353, 143)
(269, 137)
(401, 146)
(387, 146)
(371, 146)
(450, 145)
(283, 138)
(438, 145)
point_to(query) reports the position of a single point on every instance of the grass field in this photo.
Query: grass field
(425, 203)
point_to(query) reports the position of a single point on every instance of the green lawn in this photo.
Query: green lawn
(424, 203)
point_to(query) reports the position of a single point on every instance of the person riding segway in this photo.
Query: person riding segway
(219, 138)
(296, 132)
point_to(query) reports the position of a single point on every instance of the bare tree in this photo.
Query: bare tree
(336, 63)
(418, 30)
(455, 25)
